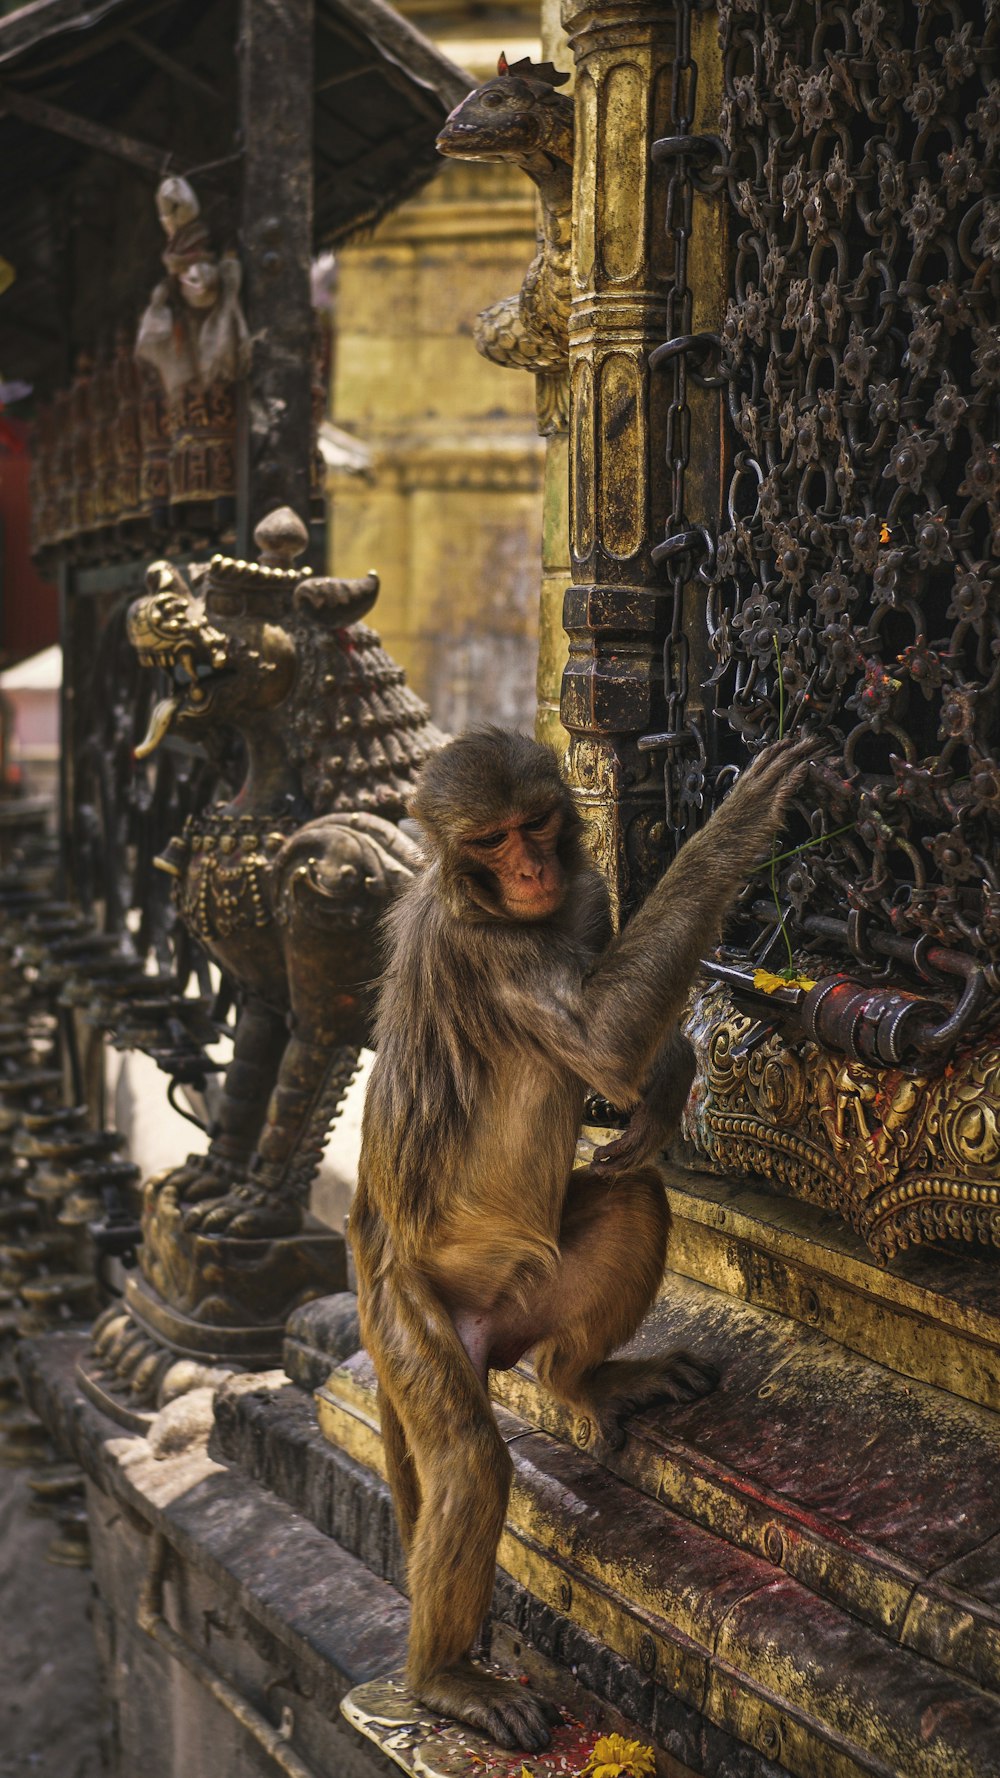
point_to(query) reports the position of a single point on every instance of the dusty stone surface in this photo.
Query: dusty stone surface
(185, 1421)
(51, 1714)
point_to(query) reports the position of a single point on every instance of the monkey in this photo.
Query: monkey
(505, 998)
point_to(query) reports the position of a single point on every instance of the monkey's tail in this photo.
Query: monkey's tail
(401, 1471)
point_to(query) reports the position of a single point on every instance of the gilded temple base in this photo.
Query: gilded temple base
(904, 1157)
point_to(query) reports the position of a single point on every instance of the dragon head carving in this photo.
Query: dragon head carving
(513, 117)
(255, 644)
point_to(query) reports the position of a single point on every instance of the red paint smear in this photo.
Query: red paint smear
(30, 619)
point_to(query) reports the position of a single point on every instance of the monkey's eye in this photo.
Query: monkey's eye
(490, 840)
(538, 823)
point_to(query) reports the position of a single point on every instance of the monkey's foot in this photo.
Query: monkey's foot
(632, 1148)
(624, 1386)
(505, 1711)
(247, 1212)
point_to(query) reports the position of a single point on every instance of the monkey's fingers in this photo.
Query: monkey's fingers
(787, 755)
(627, 1150)
(780, 769)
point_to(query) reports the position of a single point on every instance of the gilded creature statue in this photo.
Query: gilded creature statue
(284, 885)
(519, 117)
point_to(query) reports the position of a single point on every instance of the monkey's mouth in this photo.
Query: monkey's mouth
(537, 903)
(195, 682)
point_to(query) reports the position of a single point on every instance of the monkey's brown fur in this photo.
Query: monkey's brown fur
(474, 1238)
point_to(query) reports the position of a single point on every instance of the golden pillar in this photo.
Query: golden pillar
(649, 262)
(612, 688)
(553, 646)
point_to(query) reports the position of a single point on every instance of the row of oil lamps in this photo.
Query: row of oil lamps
(64, 1183)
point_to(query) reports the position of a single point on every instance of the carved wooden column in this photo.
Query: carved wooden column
(613, 684)
(276, 121)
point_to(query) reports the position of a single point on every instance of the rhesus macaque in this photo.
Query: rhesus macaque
(505, 999)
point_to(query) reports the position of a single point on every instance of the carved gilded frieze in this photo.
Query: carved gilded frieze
(906, 1157)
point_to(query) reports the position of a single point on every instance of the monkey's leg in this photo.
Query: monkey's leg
(463, 1474)
(613, 1241)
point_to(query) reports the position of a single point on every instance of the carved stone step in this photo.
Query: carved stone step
(728, 1633)
(876, 1492)
(933, 1315)
(230, 1599)
(267, 1429)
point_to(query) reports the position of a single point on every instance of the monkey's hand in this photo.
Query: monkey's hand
(767, 785)
(658, 1113)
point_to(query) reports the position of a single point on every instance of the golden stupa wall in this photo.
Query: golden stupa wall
(450, 512)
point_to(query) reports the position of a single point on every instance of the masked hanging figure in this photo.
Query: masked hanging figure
(194, 337)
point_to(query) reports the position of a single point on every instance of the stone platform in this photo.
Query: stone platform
(232, 1627)
(798, 1575)
(229, 1627)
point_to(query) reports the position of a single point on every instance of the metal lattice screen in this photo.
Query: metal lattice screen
(856, 575)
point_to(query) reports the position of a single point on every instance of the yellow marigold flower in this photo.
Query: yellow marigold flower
(614, 1757)
(766, 980)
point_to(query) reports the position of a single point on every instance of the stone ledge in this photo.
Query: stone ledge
(318, 1336)
(281, 1609)
(294, 1614)
(268, 1426)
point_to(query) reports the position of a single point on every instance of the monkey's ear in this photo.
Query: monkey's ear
(417, 829)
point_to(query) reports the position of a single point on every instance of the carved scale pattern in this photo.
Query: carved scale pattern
(861, 352)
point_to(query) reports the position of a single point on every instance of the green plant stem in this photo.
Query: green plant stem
(774, 843)
(793, 851)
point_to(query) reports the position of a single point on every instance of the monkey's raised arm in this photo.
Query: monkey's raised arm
(609, 1030)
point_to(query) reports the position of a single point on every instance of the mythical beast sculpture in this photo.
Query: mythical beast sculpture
(285, 884)
(520, 118)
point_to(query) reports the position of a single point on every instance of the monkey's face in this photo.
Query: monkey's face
(518, 863)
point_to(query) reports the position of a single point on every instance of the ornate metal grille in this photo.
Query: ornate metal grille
(856, 578)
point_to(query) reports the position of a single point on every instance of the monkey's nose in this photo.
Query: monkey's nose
(530, 866)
